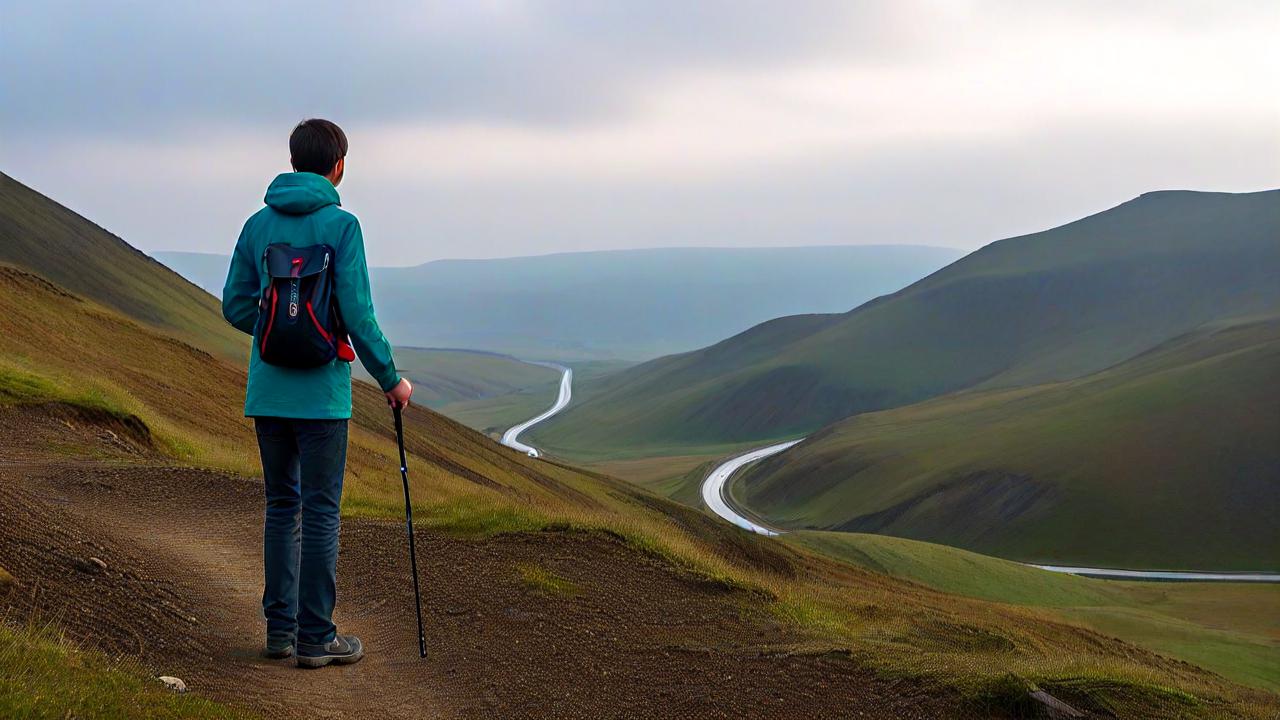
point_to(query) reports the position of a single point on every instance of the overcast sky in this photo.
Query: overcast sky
(486, 128)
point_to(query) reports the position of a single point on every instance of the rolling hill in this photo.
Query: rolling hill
(1050, 306)
(626, 304)
(1168, 460)
(103, 268)
(442, 376)
(125, 441)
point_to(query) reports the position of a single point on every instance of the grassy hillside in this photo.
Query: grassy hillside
(1050, 306)
(1165, 461)
(629, 304)
(100, 266)
(97, 383)
(1234, 628)
(45, 678)
(444, 376)
(180, 402)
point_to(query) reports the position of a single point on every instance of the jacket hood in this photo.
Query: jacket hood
(299, 193)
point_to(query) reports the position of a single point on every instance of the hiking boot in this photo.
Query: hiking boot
(279, 647)
(342, 649)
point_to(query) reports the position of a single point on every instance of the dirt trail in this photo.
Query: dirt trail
(181, 591)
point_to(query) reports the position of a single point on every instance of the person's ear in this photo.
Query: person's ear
(339, 168)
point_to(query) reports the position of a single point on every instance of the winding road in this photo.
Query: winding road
(714, 494)
(713, 488)
(1203, 576)
(511, 437)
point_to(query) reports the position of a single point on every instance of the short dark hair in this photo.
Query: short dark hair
(316, 145)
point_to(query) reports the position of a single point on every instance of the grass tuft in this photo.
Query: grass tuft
(42, 676)
(542, 580)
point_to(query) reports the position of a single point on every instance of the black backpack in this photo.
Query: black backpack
(298, 322)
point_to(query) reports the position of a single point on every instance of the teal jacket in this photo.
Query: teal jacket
(302, 210)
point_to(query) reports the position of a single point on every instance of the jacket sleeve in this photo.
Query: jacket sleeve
(240, 292)
(355, 303)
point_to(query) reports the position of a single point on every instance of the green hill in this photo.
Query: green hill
(1168, 460)
(1050, 306)
(98, 265)
(618, 304)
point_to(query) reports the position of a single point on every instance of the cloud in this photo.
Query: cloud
(144, 67)
(501, 128)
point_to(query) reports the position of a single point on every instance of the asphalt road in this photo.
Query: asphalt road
(511, 438)
(713, 487)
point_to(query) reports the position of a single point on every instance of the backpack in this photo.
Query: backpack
(298, 322)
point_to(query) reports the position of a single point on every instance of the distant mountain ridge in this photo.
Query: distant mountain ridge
(627, 304)
(1052, 305)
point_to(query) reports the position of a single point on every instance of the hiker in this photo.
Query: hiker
(299, 396)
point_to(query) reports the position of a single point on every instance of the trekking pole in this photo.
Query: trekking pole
(408, 521)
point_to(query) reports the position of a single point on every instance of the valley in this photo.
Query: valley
(126, 444)
(1104, 345)
(1047, 307)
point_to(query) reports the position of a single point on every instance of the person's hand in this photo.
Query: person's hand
(398, 396)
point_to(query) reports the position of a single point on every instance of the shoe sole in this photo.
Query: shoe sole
(319, 662)
(280, 654)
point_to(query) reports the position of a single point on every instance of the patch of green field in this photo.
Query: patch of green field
(492, 416)
(1231, 628)
(19, 385)
(445, 376)
(958, 571)
(671, 477)
(1239, 656)
(542, 580)
(44, 678)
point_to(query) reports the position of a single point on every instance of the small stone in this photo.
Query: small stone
(173, 683)
(92, 564)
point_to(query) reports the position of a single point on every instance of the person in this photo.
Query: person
(301, 415)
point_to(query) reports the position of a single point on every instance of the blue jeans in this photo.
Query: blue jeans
(302, 464)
